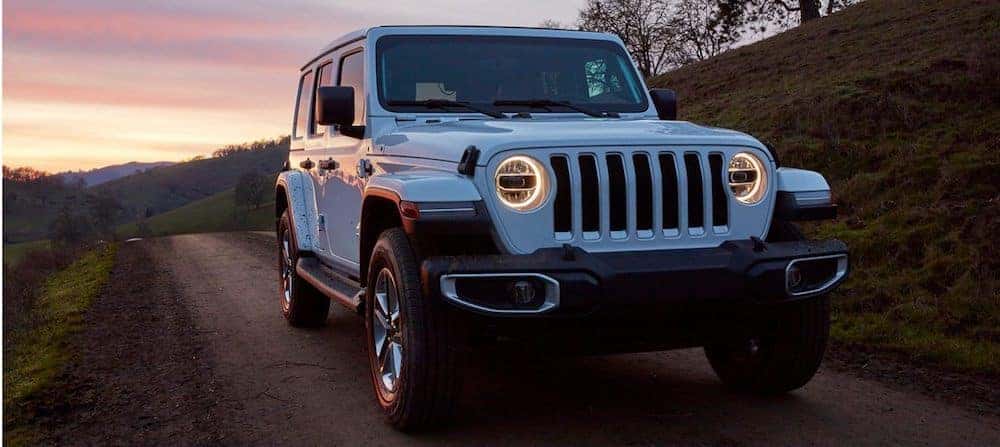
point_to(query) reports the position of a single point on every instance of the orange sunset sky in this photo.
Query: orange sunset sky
(88, 83)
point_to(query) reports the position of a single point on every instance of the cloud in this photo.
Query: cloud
(105, 81)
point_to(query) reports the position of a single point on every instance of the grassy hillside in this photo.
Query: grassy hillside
(12, 253)
(896, 102)
(166, 188)
(214, 213)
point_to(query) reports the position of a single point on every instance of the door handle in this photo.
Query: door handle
(364, 168)
(307, 164)
(329, 164)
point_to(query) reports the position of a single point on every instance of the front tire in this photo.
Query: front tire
(786, 357)
(413, 365)
(301, 304)
(780, 361)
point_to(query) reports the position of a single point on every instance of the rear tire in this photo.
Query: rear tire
(301, 304)
(786, 357)
(413, 365)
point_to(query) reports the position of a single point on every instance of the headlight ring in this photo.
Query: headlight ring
(747, 176)
(521, 183)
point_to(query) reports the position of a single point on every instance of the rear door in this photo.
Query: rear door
(306, 149)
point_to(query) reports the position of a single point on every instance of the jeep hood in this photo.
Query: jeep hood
(447, 141)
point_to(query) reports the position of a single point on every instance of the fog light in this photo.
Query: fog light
(794, 277)
(522, 292)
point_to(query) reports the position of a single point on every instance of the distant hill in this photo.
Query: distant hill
(108, 173)
(896, 102)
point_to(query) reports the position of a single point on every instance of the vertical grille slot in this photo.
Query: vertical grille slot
(720, 208)
(590, 196)
(695, 196)
(643, 192)
(563, 206)
(671, 198)
(617, 195)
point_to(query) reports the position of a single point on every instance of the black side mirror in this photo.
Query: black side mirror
(665, 101)
(335, 106)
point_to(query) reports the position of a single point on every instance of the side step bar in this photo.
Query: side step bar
(336, 287)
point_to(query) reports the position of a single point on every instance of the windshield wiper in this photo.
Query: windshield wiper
(445, 103)
(548, 103)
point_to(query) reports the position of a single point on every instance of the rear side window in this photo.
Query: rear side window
(352, 74)
(302, 112)
(325, 80)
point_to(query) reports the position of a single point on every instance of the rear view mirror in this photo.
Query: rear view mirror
(335, 106)
(665, 101)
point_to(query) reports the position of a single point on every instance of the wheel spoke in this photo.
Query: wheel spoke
(381, 339)
(382, 350)
(384, 360)
(387, 339)
(380, 312)
(393, 305)
(397, 358)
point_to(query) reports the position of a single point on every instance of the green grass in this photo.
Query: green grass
(40, 353)
(13, 253)
(211, 214)
(895, 102)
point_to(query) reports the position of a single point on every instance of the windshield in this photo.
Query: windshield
(494, 72)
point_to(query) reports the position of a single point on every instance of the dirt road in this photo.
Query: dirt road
(251, 379)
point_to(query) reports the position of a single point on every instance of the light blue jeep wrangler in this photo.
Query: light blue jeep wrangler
(461, 185)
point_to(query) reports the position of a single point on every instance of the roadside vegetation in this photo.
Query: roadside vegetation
(45, 296)
(896, 103)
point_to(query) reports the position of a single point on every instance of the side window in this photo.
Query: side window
(302, 115)
(325, 79)
(352, 74)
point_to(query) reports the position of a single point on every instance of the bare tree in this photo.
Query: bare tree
(759, 13)
(551, 24)
(249, 190)
(700, 30)
(643, 25)
(104, 210)
(662, 34)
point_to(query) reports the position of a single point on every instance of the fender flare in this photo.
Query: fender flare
(803, 195)
(301, 200)
(424, 186)
(801, 180)
(413, 186)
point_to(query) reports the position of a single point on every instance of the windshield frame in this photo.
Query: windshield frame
(641, 107)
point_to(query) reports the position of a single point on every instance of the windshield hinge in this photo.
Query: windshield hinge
(467, 165)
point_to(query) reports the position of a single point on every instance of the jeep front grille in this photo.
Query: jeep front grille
(622, 195)
(614, 198)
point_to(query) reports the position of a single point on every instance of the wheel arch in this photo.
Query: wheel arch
(379, 212)
(294, 193)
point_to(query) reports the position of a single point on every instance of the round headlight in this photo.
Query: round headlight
(521, 183)
(747, 178)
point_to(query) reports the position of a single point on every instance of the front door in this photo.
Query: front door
(345, 147)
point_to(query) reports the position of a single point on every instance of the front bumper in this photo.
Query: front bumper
(637, 284)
